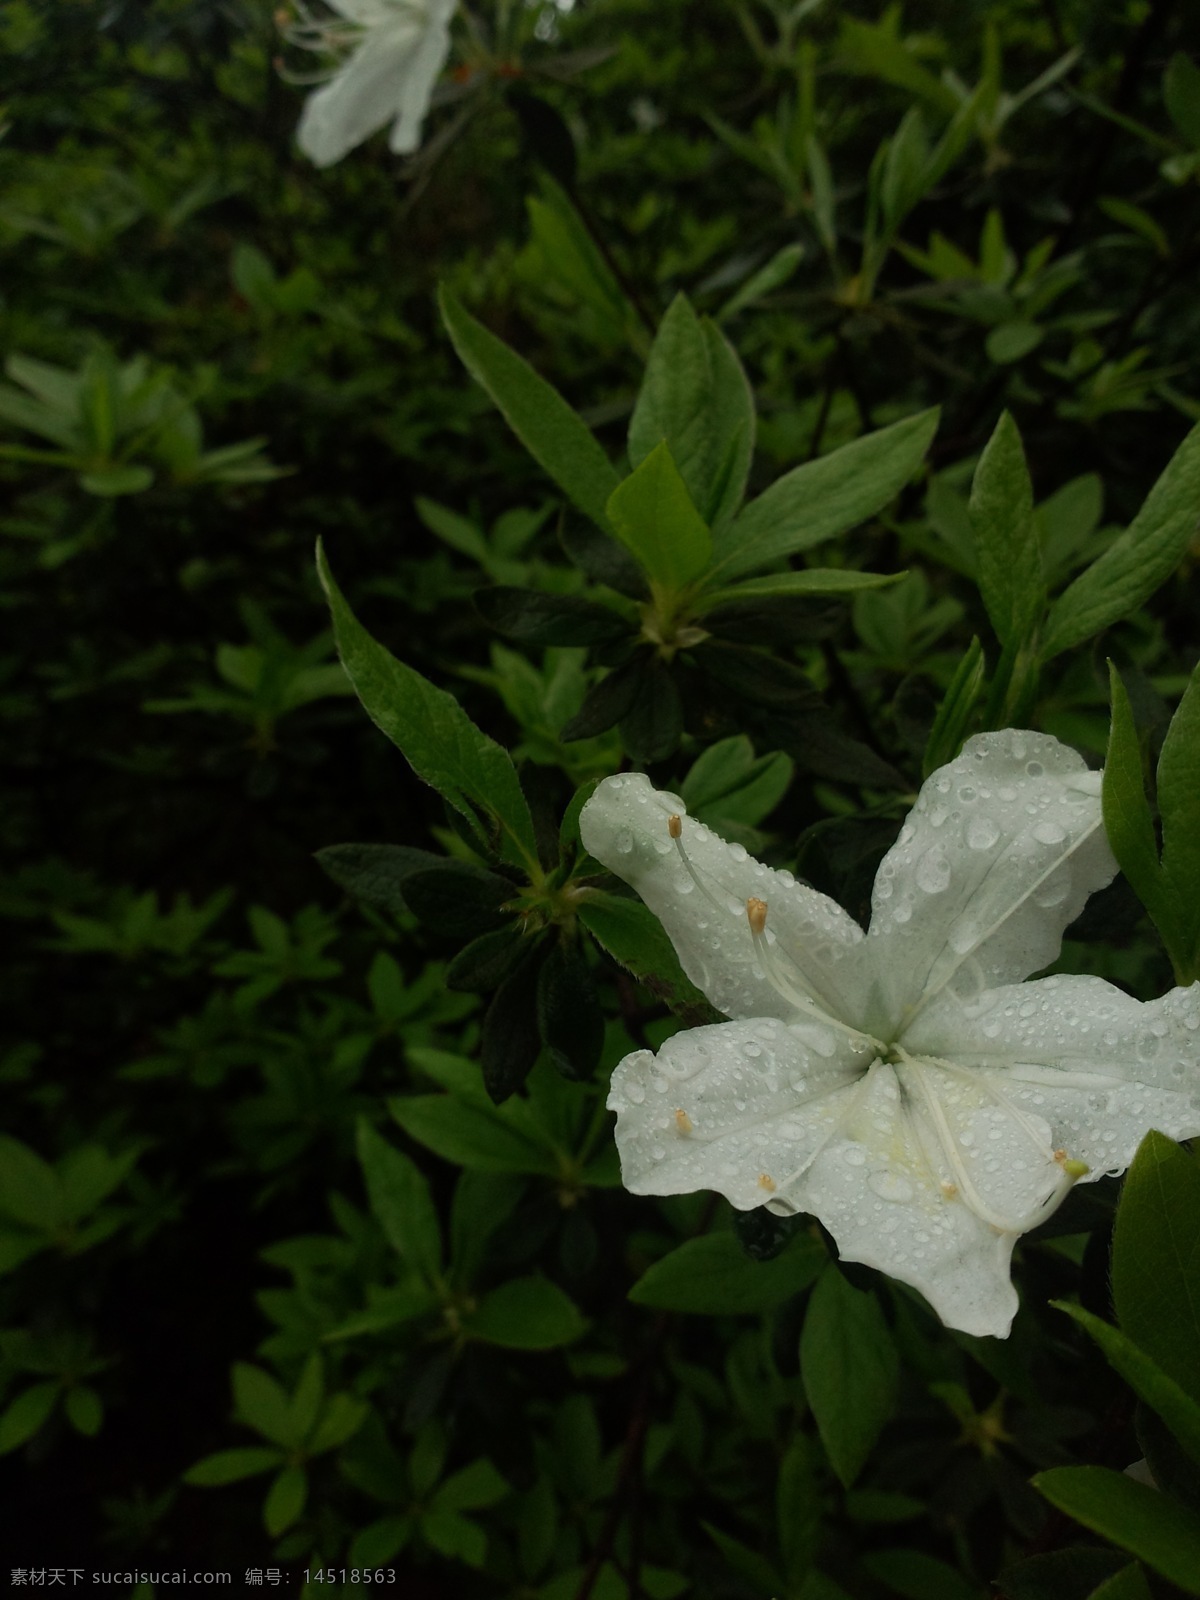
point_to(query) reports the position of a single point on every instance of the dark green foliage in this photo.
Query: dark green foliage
(810, 391)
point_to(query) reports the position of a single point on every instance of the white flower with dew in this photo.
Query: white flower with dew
(905, 1086)
(397, 49)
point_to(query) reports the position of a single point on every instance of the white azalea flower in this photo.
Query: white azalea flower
(904, 1086)
(398, 49)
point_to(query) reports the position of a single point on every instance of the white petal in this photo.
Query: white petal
(1000, 852)
(1098, 1066)
(624, 825)
(875, 1188)
(740, 1107)
(421, 74)
(364, 95)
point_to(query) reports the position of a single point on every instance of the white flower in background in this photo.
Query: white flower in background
(904, 1086)
(397, 51)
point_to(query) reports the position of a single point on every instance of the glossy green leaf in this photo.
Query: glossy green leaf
(653, 516)
(809, 582)
(1128, 1584)
(713, 1276)
(481, 1140)
(25, 1414)
(526, 1314)
(1144, 1376)
(262, 1403)
(1179, 808)
(849, 1366)
(1127, 818)
(557, 437)
(1142, 559)
(1164, 1535)
(634, 936)
(695, 399)
(1006, 543)
(822, 498)
(439, 740)
(918, 1576)
(1156, 1258)
(231, 1466)
(285, 1500)
(401, 1202)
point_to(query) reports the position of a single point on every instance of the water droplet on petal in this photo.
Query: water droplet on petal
(624, 841)
(1049, 832)
(890, 1186)
(982, 833)
(933, 871)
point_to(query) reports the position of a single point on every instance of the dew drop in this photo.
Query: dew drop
(752, 1050)
(1034, 768)
(982, 833)
(636, 1093)
(853, 1156)
(890, 1186)
(933, 871)
(1049, 832)
(624, 841)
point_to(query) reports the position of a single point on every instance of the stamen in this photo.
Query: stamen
(964, 1184)
(682, 1121)
(977, 1080)
(675, 829)
(950, 1190)
(756, 916)
(766, 1181)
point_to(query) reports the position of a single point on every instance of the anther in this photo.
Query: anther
(1060, 1155)
(675, 825)
(756, 914)
(767, 1182)
(682, 1121)
(950, 1190)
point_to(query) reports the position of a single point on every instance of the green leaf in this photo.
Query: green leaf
(439, 740)
(773, 274)
(822, 498)
(1144, 1376)
(634, 936)
(401, 1202)
(1068, 1574)
(343, 1416)
(695, 399)
(1156, 1258)
(526, 1314)
(84, 1409)
(454, 1536)
(376, 873)
(285, 1500)
(713, 1276)
(747, 1563)
(471, 1489)
(1119, 582)
(549, 619)
(797, 1509)
(807, 582)
(1164, 1535)
(469, 1136)
(23, 1416)
(511, 1041)
(1128, 820)
(918, 1576)
(30, 1191)
(380, 1541)
(557, 438)
(262, 1403)
(849, 1366)
(956, 713)
(231, 1466)
(653, 725)
(570, 1020)
(1128, 1584)
(109, 482)
(1181, 91)
(1179, 809)
(1006, 542)
(1012, 340)
(653, 516)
